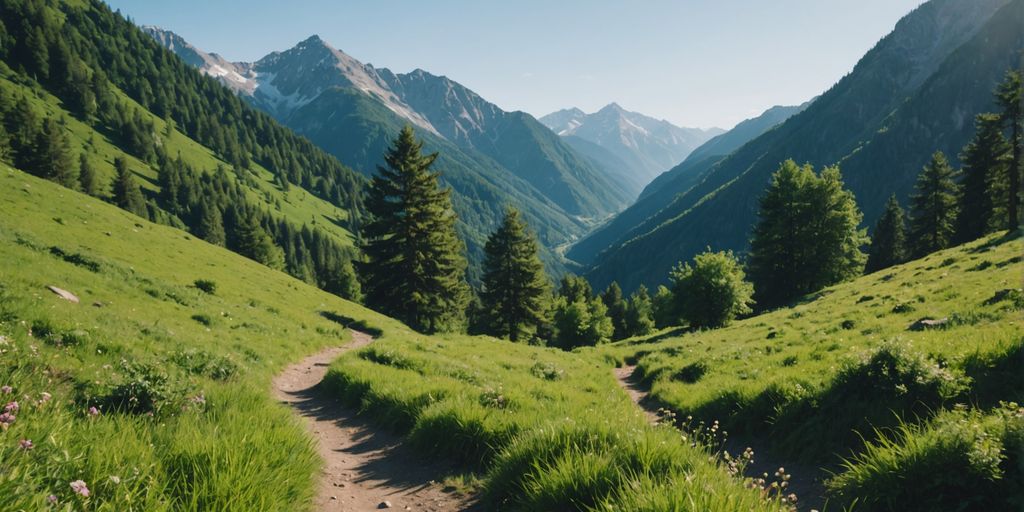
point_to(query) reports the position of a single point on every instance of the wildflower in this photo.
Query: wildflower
(45, 397)
(26, 444)
(6, 419)
(93, 411)
(5, 389)
(11, 407)
(51, 499)
(80, 488)
(114, 479)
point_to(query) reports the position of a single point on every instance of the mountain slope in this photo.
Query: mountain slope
(906, 98)
(660, 192)
(490, 158)
(648, 146)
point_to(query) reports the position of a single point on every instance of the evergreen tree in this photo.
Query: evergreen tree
(986, 160)
(575, 288)
(253, 242)
(52, 155)
(515, 287)
(127, 194)
(342, 281)
(87, 178)
(888, 243)
(664, 308)
(713, 291)
(414, 268)
(640, 315)
(581, 323)
(807, 236)
(211, 225)
(933, 207)
(617, 307)
(1010, 96)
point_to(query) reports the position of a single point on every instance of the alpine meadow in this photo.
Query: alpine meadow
(269, 276)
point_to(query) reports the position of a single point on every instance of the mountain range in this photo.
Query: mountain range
(915, 92)
(637, 147)
(490, 158)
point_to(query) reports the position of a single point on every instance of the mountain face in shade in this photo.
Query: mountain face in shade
(490, 157)
(646, 145)
(660, 192)
(915, 92)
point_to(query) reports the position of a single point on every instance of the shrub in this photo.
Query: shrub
(691, 373)
(206, 285)
(962, 459)
(143, 389)
(546, 371)
(200, 362)
(713, 291)
(203, 319)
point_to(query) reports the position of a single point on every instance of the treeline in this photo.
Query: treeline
(77, 53)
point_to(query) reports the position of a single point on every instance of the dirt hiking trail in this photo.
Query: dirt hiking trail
(805, 480)
(364, 468)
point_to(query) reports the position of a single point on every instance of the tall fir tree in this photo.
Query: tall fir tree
(211, 225)
(807, 236)
(253, 242)
(415, 267)
(640, 315)
(663, 307)
(1010, 96)
(889, 241)
(986, 161)
(52, 155)
(88, 181)
(575, 288)
(127, 194)
(515, 287)
(933, 207)
(617, 307)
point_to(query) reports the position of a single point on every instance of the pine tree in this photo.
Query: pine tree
(933, 207)
(211, 225)
(575, 288)
(127, 194)
(52, 155)
(713, 291)
(640, 315)
(807, 236)
(986, 160)
(414, 268)
(515, 287)
(617, 307)
(1010, 96)
(253, 242)
(87, 178)
(888, 242)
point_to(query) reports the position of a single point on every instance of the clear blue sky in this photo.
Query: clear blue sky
(693, 62)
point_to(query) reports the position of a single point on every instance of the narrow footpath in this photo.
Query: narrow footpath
(364, 468)
(805, 480)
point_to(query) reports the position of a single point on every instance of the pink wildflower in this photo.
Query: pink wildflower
(45, 397)
(51, 499)
(26, 444)
(11, 407)
(80, 488)
(6, 419)
(93, 411)
(5, 389)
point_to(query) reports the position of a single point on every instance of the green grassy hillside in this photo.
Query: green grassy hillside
(144, 339)
(815, 381)
(180, 381)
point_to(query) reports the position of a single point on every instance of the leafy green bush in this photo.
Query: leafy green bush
(546, 371)
(143, 389)
(960, 460)
(206, 285)
(201, 362)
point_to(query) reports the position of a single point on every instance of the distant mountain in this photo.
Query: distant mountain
(491, 158)
(915, 92)
(660, 192)
(646, 145)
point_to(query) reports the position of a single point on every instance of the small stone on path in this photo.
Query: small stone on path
(384, 504)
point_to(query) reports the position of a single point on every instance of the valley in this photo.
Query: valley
(300, 281)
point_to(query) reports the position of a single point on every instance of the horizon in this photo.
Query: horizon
(793, 48)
